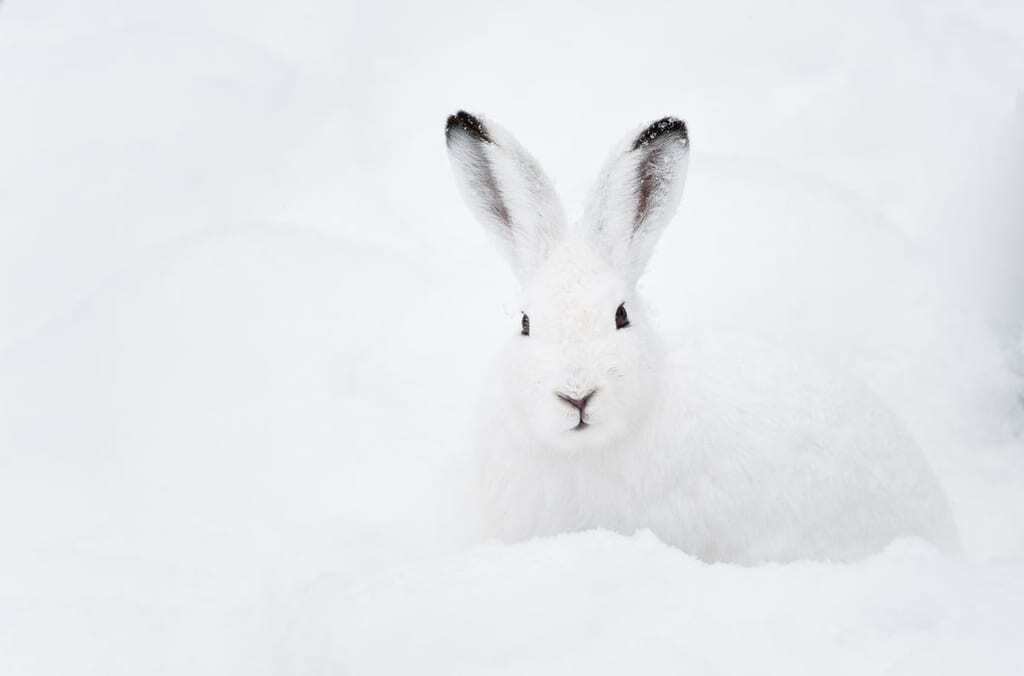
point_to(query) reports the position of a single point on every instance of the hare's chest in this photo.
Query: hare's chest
(539, 498)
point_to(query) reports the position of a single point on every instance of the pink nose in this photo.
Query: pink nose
(578, 404)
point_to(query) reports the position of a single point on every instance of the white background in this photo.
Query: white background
(243, 316)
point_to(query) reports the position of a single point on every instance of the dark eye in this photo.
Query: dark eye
(526, 324)
(621, 318)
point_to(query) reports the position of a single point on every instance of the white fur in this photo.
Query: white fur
(726, 449)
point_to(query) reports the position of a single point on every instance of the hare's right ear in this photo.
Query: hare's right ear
(505, 189)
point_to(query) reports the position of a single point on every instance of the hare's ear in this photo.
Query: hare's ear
(505, 189)
(637, 193)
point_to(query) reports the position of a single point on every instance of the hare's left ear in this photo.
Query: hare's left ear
(505, 189)
(637, 193)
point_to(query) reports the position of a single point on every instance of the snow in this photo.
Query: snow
(567, 605)
(244, 315)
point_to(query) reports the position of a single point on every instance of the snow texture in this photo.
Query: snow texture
(244, 321)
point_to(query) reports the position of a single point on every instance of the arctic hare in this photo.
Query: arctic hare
(727, 451)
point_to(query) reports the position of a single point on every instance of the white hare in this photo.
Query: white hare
(725, 450)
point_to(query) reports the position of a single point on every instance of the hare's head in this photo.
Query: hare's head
(583, 365)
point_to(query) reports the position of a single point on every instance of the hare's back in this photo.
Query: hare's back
(795, 458)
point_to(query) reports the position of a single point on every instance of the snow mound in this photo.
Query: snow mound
(601, 603)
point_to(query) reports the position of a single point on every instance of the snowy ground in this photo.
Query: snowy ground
(243, 315)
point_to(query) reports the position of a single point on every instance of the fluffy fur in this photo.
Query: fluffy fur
(726, 449)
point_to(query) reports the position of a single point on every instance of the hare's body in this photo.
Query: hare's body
(727, 450)
(748, 455)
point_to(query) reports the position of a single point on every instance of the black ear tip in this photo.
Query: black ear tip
(665, 127)
(463, 122)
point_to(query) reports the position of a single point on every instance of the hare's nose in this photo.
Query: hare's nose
(578, 404)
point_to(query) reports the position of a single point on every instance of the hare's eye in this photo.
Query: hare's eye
(621, 318)
(526, 324)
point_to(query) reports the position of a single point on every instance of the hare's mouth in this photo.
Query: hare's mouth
(579, 405)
